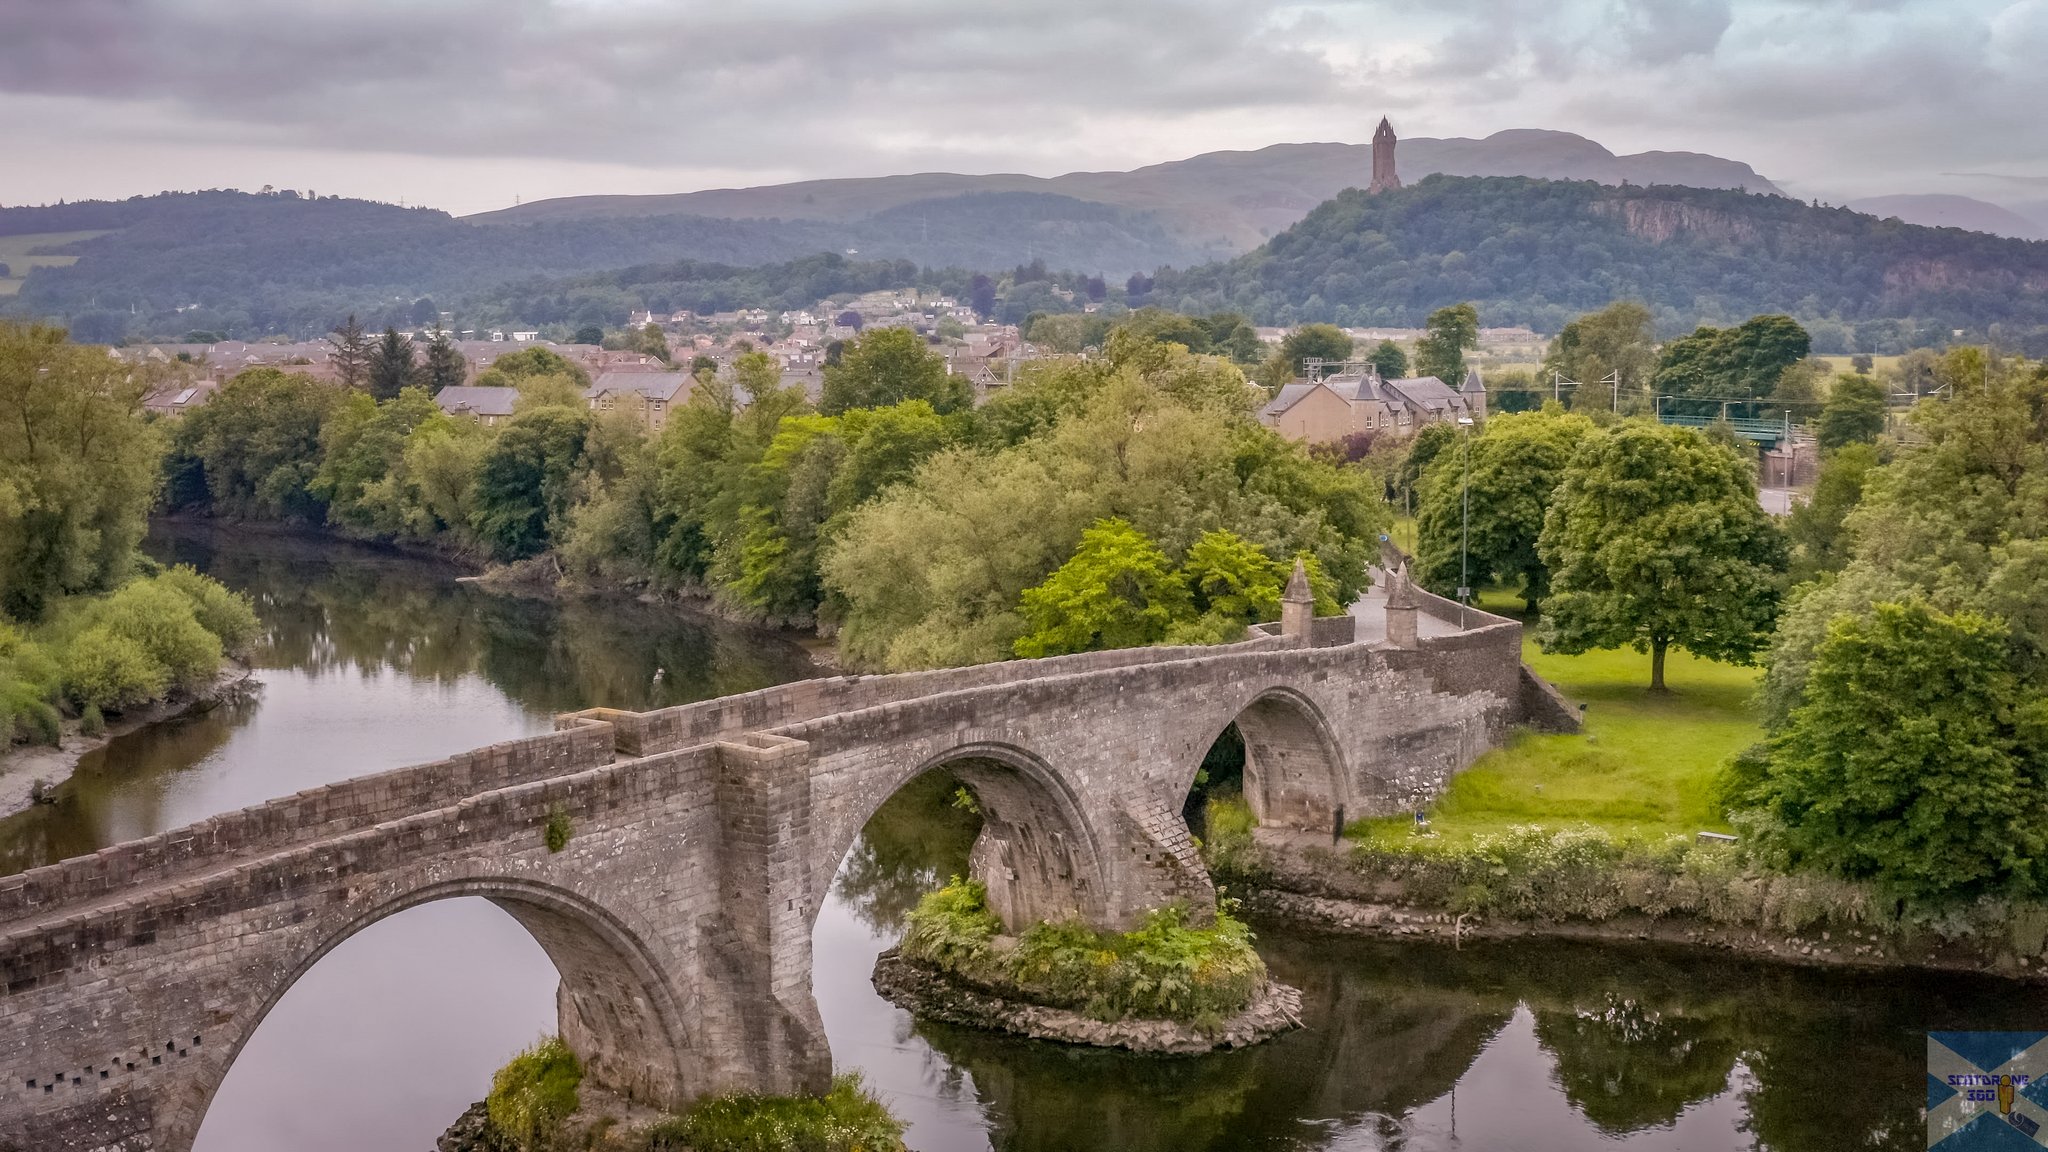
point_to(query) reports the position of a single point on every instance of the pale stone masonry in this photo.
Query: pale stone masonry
(704, 841)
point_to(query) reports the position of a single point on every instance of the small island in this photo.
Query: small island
(1169, 986)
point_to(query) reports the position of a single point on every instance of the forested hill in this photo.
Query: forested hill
(164, 265)
(1541, 252)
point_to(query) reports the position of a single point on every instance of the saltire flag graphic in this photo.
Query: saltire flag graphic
(1987, 1091)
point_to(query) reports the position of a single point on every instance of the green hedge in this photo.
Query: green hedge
(1166, 968)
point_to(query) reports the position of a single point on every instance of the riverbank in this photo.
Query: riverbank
(28, 770)
(1578, 885)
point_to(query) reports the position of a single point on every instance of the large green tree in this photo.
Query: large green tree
(1916, 759)
(1619, 338)
(526, 479)
(1388, 360)
(258, 443)
(1514, 466)
(888, 366)
(78, 468)
(391, 368)
(1450, 332)
(1655, 539)
(1740, 363)
(1326, 342)
(1118, 590)
(1854, 412)
(349, 352)
(444, 366)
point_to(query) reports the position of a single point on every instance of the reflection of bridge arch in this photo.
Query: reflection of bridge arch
(615, 1010)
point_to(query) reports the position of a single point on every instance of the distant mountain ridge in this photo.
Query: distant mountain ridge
(1946, 211)
(1225, 202)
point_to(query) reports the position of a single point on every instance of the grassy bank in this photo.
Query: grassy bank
(1165, 969)
(1645, 766)
(536, 1105)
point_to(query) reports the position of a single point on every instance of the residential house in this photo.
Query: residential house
(486, 405)
(178, 399)
(1356, 399)
(649, 395)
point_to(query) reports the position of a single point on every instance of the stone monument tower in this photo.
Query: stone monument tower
(1383, 174)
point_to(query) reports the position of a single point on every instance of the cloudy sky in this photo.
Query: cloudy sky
(467, 104)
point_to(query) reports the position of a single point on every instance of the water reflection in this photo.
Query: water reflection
(373, 660)
(370, 661)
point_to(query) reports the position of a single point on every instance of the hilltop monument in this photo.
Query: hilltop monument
(1383, 174)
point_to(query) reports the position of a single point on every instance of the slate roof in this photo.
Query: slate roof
(484, 401)
(1290, 395)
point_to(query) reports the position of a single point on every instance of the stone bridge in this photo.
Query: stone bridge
(703, 841)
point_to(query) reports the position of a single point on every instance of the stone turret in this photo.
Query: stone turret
(1383, 174)
(1297, 605)
(1474, 392)
(1401, 608)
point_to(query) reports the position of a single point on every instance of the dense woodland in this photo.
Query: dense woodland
(1541, 252)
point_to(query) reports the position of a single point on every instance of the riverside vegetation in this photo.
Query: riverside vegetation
(1884, 772)
(1165, 969)
(535, 1105)
(88, 626)
(1133, 495)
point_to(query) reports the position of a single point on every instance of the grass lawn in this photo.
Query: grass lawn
(15, 253)
(1645, 764)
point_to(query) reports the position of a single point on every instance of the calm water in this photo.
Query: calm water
(374, 661)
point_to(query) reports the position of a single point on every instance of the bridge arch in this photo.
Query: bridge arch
(615, 1010)
(1039, 853)
(1294, 770)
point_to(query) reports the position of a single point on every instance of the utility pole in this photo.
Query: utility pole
(1614, 378)
(1465, 532)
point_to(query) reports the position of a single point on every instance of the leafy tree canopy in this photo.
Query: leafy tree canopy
(888, 366)
(1516, 462)
(1654, 538)
(1915, 759)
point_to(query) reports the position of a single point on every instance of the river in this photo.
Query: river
(372, 661)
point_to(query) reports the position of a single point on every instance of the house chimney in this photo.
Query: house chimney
(1297, 605)
(1401, 608)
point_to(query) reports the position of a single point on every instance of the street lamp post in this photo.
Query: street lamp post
(1465, 531)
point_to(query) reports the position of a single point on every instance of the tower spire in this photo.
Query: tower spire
(1383, 174)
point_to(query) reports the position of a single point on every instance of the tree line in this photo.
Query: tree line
(894, 512)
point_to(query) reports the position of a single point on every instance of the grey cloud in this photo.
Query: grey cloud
(1661, 31)
(644, 82)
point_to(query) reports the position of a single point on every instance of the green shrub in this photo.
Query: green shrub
(1227, 845)
(29, 680)
(1166, 968)
(532, 1096)
(106, 670)
(849, 1118)
(91, 721)
(227, 614)
(953, 926)
(558, 829)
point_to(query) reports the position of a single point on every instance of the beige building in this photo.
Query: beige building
(1358, 400)
(649, 395)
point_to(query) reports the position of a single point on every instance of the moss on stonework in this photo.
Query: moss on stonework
(1165, 969)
